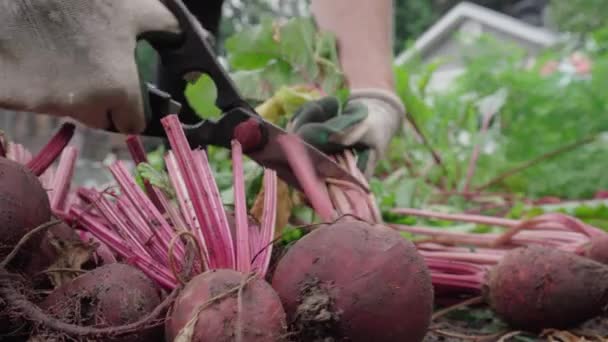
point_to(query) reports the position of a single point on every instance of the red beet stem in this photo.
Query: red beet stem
(60, 186)
(456, 275)
(215, 205)
(302, 166)
(264, 240)
(138, 154)
(220, 249)
(243, 252)
(185, 204)
(563, 239)
(49, 153)
(155, 220)
(92, 224)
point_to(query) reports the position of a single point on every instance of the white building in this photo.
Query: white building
(470, 21)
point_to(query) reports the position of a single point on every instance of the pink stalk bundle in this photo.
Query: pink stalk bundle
(331, 198)
(550, 260)
(552, 229)
(150, 230)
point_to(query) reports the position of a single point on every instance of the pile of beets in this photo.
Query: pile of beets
(151, 265)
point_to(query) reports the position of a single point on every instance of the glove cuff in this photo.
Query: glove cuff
(386, 96)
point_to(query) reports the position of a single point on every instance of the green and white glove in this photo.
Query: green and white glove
(77, 58)
(366, 124)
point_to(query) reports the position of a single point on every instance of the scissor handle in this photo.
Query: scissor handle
(193, 53)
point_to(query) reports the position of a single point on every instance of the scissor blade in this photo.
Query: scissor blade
(273, 157)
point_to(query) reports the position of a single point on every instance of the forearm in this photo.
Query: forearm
(364, 32)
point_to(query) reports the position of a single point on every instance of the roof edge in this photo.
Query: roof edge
(486, 16)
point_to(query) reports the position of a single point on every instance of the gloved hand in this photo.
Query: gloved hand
(367, 123)
(77, 58)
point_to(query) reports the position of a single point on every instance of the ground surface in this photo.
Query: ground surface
(480, 325)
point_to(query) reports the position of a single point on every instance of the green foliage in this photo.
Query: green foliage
(157, 177)
(266, 57)
(578, 16)
(540, 114)
(283, 54)
(413, 17)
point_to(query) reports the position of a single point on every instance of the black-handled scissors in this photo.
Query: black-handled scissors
(191, 54)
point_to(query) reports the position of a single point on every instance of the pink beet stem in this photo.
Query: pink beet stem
(183, 198)
(429, 246)
(478, 219)
(148, 236)
(457, 282)
(339, 200)
(254, 242)
(549, 238)
(102, 232)
(138, 154)
(18, 153)
(456, 275)
(554, 221)
(148, 211)
(215, 206)
(63, 177)
(243, 252)
(52, 150)
(185, 204)
(474, 257)
(111, 214)
(164, 278)
(302, 167)
(268, 225)
(219, 255)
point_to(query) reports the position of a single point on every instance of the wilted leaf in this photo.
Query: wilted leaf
(284, 207)
(71, 255)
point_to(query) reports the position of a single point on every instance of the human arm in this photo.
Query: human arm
(364, 35)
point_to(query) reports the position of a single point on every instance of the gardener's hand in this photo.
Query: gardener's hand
(76, 58)
(367, 123)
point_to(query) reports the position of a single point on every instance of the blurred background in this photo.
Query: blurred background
(523, 58)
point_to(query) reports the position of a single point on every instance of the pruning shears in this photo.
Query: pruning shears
(190, 55)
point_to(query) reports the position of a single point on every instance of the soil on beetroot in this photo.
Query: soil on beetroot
(479, 324)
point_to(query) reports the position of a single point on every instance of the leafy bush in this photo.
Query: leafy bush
(542, 112)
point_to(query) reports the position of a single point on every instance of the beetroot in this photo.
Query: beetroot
(230, 307)
(539, 287)
(111, 295)
(355, 281)
(597, 249)
(25, 205)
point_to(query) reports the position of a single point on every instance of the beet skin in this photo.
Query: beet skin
(538, 287)
(110, 295)
(357, 282)
(24, 205)
(255, 312)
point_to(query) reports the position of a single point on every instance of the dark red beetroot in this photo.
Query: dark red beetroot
(538, 287)
(111, 295)
(228, 308)
(24, 205)
(597, 249)
(351, 280)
